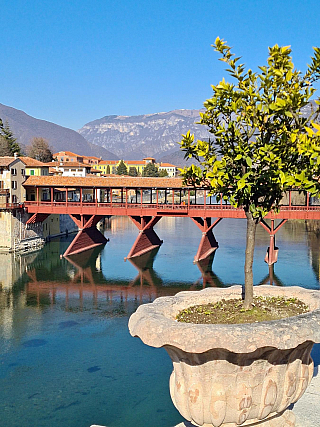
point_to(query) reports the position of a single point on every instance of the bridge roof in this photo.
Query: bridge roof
(103, 182)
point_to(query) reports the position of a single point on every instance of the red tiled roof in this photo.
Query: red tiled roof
(103, 182)
(30, 162)
(166, 165)
(66, 153)
(91, 157)
(6, 160)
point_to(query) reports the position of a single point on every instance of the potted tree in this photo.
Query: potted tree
(262, 145)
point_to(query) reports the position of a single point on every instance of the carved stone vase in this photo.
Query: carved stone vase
(231, 375)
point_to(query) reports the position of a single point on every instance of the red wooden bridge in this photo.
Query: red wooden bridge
(145, 201)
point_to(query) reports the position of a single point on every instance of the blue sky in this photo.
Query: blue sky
(70, 62)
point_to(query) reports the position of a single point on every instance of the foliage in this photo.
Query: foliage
(122, 168)
(39, 149)
(150, 170)
(6, 133)
(163, 173)
(4, 147)
(133, 171)
(261, 144)
(108, 169)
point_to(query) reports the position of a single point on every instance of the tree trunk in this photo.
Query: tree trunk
(248, 274)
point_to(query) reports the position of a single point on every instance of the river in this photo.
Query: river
(66, 356)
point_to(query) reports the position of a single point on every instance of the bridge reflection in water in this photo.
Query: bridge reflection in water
(87, 287)
(86, 282)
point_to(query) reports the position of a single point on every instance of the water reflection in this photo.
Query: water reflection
(271, 278)
(45, 278)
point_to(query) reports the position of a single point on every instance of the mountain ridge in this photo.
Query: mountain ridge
(26, 127)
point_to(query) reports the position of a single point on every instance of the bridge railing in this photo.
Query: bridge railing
(158, 206)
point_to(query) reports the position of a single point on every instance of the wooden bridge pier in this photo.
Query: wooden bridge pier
(88, 236)
(147, 239)
(208, 243)
(272, 251)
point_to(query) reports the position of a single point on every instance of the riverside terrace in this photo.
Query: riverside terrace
(145, 201)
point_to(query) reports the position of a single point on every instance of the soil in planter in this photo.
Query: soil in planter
(231, 311)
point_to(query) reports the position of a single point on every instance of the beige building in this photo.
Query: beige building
(12, 176)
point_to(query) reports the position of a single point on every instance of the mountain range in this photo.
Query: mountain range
(116, 137)
(60, 138)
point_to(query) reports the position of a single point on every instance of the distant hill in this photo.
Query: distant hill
(136, 137)
(60, 138)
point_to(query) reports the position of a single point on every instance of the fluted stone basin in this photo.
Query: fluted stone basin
(230, 375)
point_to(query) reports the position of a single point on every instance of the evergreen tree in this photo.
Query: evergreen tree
(122, 168)
(163, 173)
(108, 169)
(150, 170)
(133, 171)
(4, 147)
(7, 133)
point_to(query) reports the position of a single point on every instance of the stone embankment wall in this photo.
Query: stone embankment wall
(17, 236)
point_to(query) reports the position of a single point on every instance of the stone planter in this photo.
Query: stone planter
(230, 375)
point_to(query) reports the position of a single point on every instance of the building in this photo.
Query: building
(35, 167)
(110, 166)
(12, 176)
(14, 235)
(172, 170)
(69, 156)
(107, 167)
(139, 165)
(69, 168)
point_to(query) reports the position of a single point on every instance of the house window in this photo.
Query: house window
(14, 185)
(13, 171)
(23, 172)
(31, 172)
(14, 198)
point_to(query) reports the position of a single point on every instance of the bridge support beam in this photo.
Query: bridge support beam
(37, 217)
(88, 236)
(208, 243)
(147, 238)
(272, 251)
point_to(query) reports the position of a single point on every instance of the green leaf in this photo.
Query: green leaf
(241, 183)
(249, 162)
